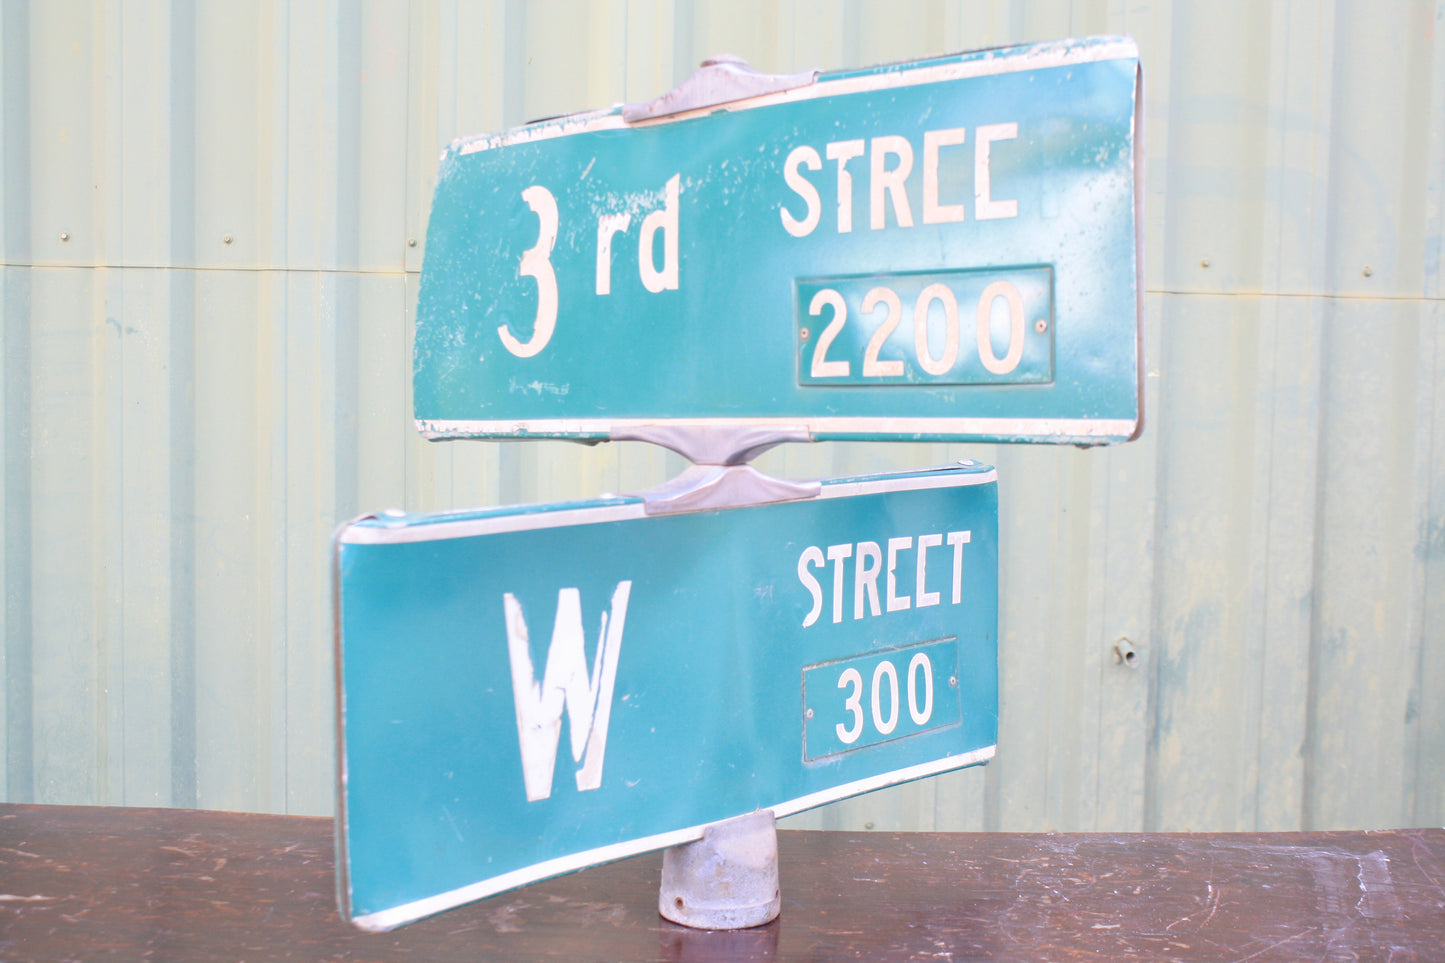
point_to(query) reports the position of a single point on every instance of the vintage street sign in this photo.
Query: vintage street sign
(944, 249)
(706, 665)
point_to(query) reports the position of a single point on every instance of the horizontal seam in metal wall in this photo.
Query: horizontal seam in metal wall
(253, 269)
(1294, 294)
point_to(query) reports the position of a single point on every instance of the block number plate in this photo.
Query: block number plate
(977, 327)
(850, 704)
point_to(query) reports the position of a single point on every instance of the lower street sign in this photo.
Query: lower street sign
(703, 666)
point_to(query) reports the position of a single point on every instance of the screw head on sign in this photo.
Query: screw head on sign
(1041, 325)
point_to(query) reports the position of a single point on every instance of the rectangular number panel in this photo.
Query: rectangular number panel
(992, 326)
(855, 703)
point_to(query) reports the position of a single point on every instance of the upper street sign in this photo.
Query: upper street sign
(707, 665)
(944, 249)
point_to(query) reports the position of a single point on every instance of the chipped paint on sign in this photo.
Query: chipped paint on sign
(968, 224)
(686, 655)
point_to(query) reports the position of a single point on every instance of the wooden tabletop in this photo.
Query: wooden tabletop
(90, 883)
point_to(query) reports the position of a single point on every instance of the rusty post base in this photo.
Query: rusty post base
(728, 880)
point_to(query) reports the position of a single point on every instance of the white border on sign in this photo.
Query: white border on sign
(435, 429)
(633, 508)
(386, 919)
(1009, 60)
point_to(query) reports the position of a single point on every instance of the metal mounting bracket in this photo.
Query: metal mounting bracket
(719, 476)
(728, 880)
(714, 445)
(705, 487)
(721, 79)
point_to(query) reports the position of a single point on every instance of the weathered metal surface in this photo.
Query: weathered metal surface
(727, 880)
(185, 421)
(964, 264)
(708, 665)
(108, 883)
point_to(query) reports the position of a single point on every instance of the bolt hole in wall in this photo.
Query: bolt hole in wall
(1126, 654)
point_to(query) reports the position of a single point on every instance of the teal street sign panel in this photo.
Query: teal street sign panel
(527, 691)
(946, 249)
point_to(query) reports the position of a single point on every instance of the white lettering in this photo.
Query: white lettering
(1015, 304)
(892, 182)
(889, 185)
(934, 212)
(665, 221)
(803, 188)
(943, 294)
(843, 151)
(885, 726)
(868, 566)
(821, 366)
(985, 207)
(896, 602)
(811, 556)
(537, 263)
(565, 684)
(958, 540)
(836, 554)
(608, 225)
(854, 704)
(873, 366)
(925, 542)
(865, 578)
(920, 661)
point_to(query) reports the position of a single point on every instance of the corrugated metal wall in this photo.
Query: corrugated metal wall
(212, 219)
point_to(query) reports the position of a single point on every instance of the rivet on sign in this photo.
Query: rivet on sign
(65, 235)
(1368, 271)
(1204, 262)
(953, 681)
(807, 713)
(1041, 325)
(803, 333)
(868, 824)
(411, 242)
(226, 239)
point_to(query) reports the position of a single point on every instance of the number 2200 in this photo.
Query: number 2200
(937, 365)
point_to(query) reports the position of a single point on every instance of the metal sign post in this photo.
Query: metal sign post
(939, 250)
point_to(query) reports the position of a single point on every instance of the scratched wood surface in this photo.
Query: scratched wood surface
(91, 883)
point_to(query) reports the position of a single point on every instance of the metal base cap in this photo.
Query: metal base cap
(728, 880)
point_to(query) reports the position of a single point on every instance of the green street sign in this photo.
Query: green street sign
(946, 249)
(702, 665)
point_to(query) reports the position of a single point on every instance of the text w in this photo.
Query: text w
(565, 684)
